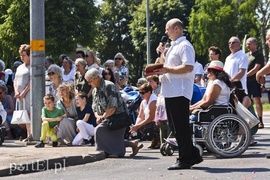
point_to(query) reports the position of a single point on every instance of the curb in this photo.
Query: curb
(55, 164)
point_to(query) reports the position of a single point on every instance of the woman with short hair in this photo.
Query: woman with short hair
(107, 101)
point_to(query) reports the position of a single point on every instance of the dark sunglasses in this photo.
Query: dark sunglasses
(107, 74)
(142, 93)
(232, 42)
(51, 73)
(118, 58)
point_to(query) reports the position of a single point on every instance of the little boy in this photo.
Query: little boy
(86, 122)
(51, 115)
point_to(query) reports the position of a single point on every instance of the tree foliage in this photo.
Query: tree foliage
(212, 23)
(67, 23)
(114, 34)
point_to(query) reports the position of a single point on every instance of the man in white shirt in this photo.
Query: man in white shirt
(236, 64)
(177, 88)
(265, 70)
(198, 71)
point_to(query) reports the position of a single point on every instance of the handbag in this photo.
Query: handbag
(246, 114)
(20, 116)
(118, 121)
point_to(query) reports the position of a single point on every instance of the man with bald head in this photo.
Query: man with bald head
(236, 64)
(177, 88)
(255, 63)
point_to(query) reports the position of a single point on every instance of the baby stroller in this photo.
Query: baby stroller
(170, 145)
(133, 101)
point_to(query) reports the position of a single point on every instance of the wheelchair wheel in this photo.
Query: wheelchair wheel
(199, 148)
(169, 149)
(228, 135)
(163, 149)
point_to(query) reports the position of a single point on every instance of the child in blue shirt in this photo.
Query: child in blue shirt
(87, 121)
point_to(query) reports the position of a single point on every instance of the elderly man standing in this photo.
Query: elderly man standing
(265, 70)
(236, 64)
(255, 63)
(177, 88)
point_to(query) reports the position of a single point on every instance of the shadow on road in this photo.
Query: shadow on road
(230, 170)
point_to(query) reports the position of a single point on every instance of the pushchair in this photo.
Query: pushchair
(170, 144)
(133, 101)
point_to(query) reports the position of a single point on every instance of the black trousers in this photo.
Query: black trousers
(178, 116)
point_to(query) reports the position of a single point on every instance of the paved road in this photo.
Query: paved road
(150, 164)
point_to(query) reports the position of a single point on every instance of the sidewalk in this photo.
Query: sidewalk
(21, 158)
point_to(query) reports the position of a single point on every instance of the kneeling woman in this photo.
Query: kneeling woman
(107, 101)
(217, 91)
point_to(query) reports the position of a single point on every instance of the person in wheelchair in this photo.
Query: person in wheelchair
(217, 91)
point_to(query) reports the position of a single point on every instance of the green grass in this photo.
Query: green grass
(266, 107)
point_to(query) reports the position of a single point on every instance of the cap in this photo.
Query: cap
(218, 65)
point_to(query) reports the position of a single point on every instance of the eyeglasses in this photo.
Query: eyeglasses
(212, 54)
(117, 58)
(51, 73)
(91, 80)
(232, 42)
(142, 93)
(107, 74)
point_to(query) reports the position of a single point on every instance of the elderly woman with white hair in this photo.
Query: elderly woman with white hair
(107, 101)
(55, 75)
(120, 70)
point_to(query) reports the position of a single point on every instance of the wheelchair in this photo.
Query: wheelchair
(220, 130)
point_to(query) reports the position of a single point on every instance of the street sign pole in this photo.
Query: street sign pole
(37, 70)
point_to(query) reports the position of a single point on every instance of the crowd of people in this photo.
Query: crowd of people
(83, 94)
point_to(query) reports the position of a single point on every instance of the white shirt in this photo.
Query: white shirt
(145, 104)
(198, 70)
(235, 62)
(224, 95)
(69, 77)
(175, 85)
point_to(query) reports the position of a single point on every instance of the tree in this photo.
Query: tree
(114, 34)
(214, 22)
(160, 12)
(263, 16)
(67, 23)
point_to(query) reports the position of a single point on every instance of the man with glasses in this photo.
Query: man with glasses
(214, 53)
(236, 64)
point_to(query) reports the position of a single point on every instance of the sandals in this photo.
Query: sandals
(261, 125)
(136, 150)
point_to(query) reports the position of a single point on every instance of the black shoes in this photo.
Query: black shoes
(54, 144)
(90, 142)
(40, 144)
(196, 161)
(179, 165)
